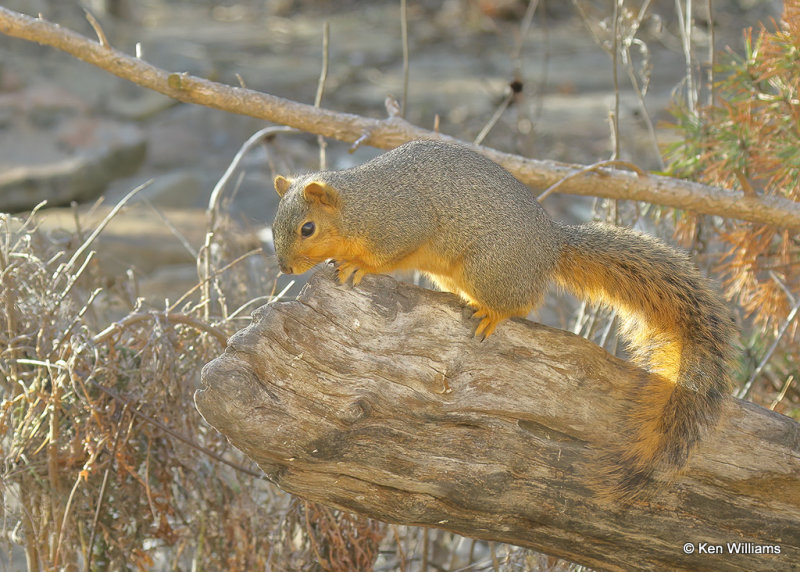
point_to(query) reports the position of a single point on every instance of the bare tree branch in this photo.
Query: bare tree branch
(394, 131)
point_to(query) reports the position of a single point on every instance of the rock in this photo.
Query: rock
(74, 165)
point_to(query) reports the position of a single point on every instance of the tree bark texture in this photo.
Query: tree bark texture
(378, 400)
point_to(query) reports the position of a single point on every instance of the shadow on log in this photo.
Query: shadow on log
(378, 400)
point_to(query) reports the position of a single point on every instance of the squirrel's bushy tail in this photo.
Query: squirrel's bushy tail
(676, 327)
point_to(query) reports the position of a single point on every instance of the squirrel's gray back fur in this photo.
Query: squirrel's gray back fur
(431, 187)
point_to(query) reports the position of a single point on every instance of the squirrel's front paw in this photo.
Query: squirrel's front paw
(347, 270)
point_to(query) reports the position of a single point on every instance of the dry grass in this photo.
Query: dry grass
(106, 462)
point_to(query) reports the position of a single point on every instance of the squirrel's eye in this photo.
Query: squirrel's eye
(307, 229)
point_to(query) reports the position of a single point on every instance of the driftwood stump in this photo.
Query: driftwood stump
(378, 400)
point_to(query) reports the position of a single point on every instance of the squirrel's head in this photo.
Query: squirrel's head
(307, 225)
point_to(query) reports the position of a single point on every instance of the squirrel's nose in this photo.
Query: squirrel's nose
(285, 268)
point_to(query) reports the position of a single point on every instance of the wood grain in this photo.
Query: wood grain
(378, 400)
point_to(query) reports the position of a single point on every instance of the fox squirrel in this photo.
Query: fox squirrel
(477, 231)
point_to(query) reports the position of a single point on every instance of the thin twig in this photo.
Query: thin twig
(217, 272)
(516, 58)
(524, 28)
(74, 277)
(252, 302)
(615, 80)
(177, 435)
(620, 45)
(313, 537)
(255, 139)
(64, 519)
(780, 283)
(639, 90)
(685, 27)
(747, 387)
(323, 78)
(101, 35)
(607, 331)
(268, 299)
(587, 22)
(28, 223)
(101, 496)
(96, 232)
(78, 317)
(648, 121)
(54, 426)
(494, 119)
(172, 228)
(711, 52)
(134, 318)
(550, 190)
(401, 554)
(213, 205)
(782, 393)
(404, 34)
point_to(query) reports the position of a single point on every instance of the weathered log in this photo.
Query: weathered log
(378, 400)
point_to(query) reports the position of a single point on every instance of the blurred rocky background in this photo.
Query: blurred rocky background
(71, 133)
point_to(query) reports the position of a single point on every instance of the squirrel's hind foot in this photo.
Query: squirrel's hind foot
(488, 323)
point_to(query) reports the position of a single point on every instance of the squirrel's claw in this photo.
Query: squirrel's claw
(343, 273)
(347, 270)
(358, 275)
(488, 323)
(486, 327)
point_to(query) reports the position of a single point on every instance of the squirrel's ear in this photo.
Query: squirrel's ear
(282, 185)
(321, 193)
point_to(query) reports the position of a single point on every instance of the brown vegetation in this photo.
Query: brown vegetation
(107, 464)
